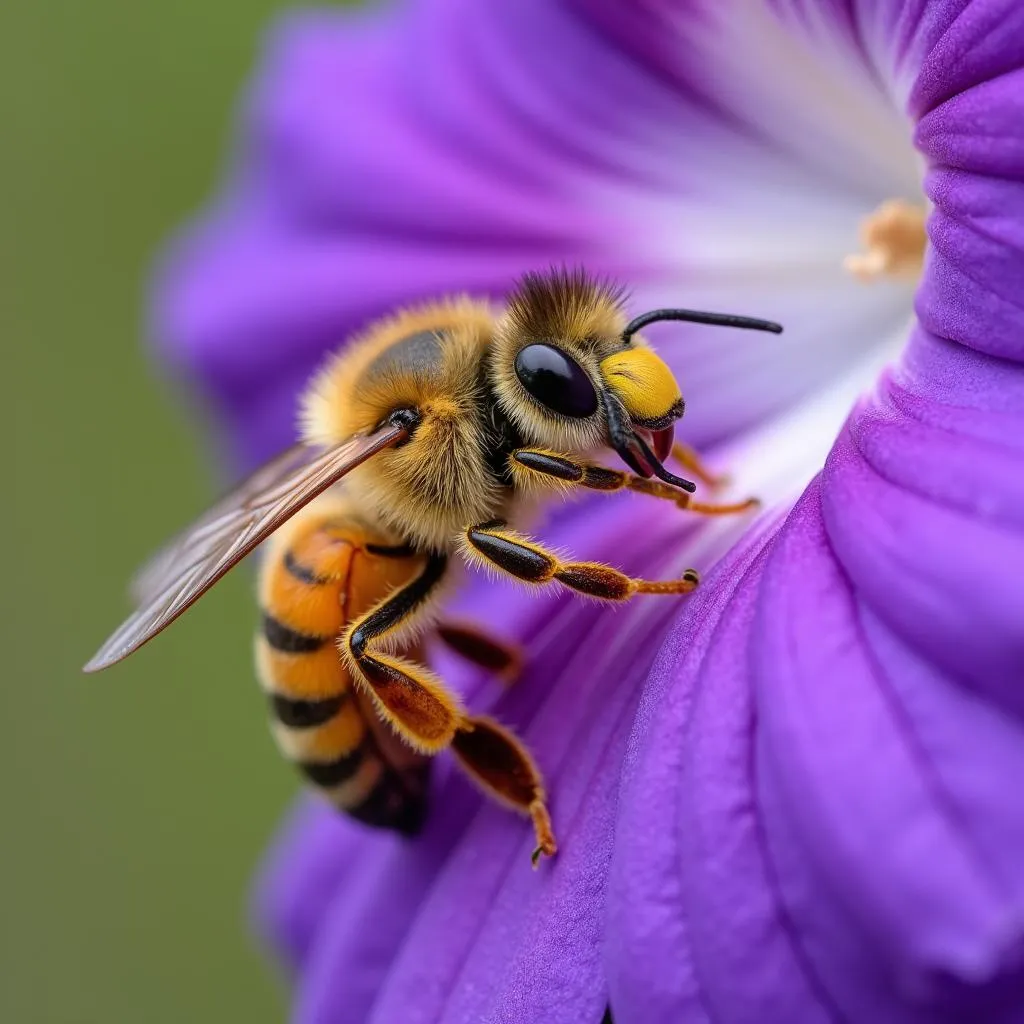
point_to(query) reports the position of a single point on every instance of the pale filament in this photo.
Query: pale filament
(894, 237)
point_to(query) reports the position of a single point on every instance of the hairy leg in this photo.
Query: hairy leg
(407, 695)
(493, 545)
(499, 763)
(529, 464)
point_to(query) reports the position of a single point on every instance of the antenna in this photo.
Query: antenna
(694, 316)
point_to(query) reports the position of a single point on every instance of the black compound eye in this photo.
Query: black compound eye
(556, 380)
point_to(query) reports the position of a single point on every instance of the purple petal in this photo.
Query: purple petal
(835, 724)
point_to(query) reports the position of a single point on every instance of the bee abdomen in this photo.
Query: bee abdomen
(324, 573)
(343, 758)
(397, 801)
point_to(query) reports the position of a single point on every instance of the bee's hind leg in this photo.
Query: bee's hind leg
(499, 763)
(420, 709)
(407, 696)
(473, 644)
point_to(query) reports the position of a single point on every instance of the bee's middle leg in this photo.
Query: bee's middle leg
(526, 560)
(407, 695)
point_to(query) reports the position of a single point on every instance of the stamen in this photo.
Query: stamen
(894, 237)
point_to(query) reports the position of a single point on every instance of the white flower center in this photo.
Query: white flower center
(800, 201)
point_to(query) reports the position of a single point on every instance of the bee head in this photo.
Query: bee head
(573, 375)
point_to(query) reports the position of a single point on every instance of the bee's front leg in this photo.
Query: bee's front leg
(528, 465)
(495, 546)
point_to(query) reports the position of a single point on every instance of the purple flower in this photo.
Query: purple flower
(799, 795)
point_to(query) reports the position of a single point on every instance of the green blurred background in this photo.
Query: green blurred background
(137, 803)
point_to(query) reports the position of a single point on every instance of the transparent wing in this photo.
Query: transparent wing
(182, 572)
(200, 537)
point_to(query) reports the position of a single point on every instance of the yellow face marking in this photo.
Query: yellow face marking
(643, 382)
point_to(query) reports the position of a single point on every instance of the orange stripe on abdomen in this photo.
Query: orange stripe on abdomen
(308, 676)
(305, 591)
(341, 734)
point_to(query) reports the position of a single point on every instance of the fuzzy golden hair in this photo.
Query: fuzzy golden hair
(565, 305)
(428, 489)
(346, 399)
(433, 358)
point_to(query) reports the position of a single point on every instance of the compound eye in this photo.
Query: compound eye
(556, 380)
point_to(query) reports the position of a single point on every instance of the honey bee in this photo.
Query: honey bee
(432, 435)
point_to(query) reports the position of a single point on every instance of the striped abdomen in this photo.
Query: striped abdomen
(321, 571)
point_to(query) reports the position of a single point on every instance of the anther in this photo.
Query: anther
(894, 237)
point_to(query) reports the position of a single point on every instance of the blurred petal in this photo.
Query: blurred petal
(386, 159)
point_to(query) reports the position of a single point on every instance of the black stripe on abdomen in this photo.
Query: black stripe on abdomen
(398, 801)
(305, 714)
(284, 638)
(334, 773)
